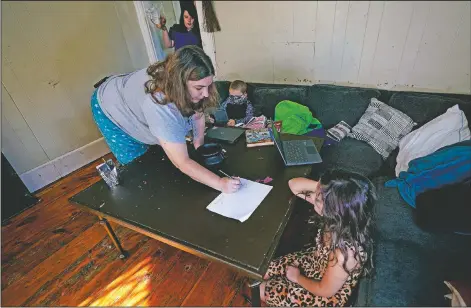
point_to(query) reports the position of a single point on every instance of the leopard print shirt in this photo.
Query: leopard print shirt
(312, 262)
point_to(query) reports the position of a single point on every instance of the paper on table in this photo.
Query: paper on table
(243, 203)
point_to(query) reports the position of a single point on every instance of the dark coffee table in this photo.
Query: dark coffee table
(156, 199)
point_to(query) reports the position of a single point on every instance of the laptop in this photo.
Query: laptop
(318, 142)
(295, 152)
(227, 134)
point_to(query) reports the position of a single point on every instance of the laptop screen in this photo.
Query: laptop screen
(276, 136)
(277, 139)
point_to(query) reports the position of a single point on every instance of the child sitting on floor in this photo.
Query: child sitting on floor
(325, 274)
(237, 106)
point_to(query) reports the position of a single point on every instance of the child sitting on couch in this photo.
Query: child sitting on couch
(237, 106)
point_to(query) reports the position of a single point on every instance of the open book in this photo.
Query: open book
(256, 122)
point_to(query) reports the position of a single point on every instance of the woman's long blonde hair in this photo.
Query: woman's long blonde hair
(171, 75)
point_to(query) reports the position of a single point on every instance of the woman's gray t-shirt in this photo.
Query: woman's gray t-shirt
(124, 101)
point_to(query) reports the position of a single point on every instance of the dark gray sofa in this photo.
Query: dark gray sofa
(410, 263)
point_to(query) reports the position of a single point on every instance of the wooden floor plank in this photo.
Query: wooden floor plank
(24, 288)
(150, 263)
(49, 217)
(239, 300)
(82, 267)
(16, 263)
(217, 287)
(174, 288)
(44, 215)
(69, 284)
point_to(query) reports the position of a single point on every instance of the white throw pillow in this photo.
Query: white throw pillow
(448, 128)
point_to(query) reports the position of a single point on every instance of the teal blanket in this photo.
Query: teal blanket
(448, 165)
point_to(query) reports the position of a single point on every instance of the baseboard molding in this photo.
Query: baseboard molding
(59, 167)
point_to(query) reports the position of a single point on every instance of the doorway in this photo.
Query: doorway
(172, 12)
(146, 11)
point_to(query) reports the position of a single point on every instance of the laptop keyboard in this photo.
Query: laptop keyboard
(294, 151)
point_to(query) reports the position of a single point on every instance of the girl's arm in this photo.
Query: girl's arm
(332, 281)
(301, 185)
(168, 43)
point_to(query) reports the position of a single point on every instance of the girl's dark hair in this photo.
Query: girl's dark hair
(191, 9)
(349, 199)
(171, 75)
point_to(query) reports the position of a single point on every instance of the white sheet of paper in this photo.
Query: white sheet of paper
(241, 204)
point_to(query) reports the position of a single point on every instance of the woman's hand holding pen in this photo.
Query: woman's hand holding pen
(230, 185)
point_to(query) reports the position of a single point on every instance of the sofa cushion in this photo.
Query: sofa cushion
(382, 127)
(223, 89)
(349, 154)
(423, 107)
(411, 264)
(265, 99)
(332, 104)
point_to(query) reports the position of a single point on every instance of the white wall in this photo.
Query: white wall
(52, 54)
(423, 46)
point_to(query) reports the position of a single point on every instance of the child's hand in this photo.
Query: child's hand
(292, 273)
(211, 120)
(231, 123)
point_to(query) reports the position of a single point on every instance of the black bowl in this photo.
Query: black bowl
(210, 154)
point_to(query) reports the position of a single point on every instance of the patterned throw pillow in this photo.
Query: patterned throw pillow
(382, 127)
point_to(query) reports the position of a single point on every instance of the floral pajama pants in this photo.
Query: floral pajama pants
(124, 147)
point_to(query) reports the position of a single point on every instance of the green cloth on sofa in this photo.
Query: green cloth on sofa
(296, 118)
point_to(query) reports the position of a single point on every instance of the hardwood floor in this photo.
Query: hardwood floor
(53, 254)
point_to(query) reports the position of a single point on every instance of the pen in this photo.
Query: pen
(225, 174)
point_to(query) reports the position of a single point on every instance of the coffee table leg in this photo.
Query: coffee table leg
(114, 238)
(255, 292)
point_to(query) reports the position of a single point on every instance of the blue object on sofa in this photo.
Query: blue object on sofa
(448, 165)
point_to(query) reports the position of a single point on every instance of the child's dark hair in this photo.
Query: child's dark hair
(348, 212)
(349, 199)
